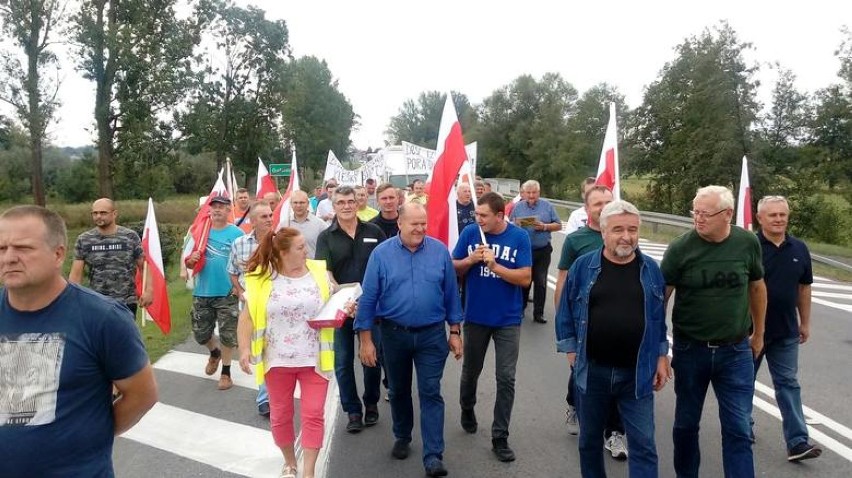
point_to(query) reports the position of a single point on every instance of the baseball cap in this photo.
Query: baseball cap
(220, 199)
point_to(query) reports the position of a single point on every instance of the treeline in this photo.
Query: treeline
(696, 122)
(211, 80)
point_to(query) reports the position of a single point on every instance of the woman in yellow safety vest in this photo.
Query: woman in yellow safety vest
(283, 291)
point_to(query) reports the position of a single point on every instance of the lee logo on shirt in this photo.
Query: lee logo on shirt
(720, 280)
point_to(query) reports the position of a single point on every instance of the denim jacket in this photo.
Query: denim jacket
(572, 318)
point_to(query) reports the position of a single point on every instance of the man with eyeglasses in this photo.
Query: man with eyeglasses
(787, 263)
(718, 328)
(345, 247)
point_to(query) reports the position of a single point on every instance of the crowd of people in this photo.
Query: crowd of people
(74, 372)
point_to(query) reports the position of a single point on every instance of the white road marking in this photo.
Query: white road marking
(225, 445)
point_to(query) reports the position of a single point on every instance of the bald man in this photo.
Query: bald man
(111, 254)
(308, 224)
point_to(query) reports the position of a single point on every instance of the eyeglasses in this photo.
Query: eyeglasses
(706, 214)
(343, 202)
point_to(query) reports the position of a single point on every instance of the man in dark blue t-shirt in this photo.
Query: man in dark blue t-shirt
(495, 274)
(62, 349)
(788, 276)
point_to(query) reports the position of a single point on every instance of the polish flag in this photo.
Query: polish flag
(199, 231)
(265, 182)
(159, 310)
(281, 214)
(441, 208)
(744, 219)
(608, 166)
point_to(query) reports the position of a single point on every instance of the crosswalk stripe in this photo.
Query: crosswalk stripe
(192, 364)
(228, 446)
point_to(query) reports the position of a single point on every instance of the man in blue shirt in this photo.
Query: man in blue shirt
(214, 299)
(410, 286)
(788, 276)
(539, 219)
(62, 350)
(495, 274)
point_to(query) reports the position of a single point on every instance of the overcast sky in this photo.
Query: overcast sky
(384, 52)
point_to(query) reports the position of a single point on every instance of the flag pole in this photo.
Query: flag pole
(142, 310)
(473, 194)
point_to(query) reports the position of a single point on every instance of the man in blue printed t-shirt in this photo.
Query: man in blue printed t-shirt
(495, 274)
(539, 219)
(214, 299)
(62, 349)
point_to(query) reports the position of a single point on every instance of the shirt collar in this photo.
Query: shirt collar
(398, 239)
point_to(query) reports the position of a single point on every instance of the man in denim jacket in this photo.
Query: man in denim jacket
(612, 324)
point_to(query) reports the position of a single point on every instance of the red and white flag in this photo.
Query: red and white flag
(608, 165)
(441, 208)
(744, 219)
(281, 214)
(199, 231)
(265, 181)
(159, 310)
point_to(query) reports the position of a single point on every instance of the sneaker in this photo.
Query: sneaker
(571, 421)
(500, 447)
(436, 468)
(615, 445)
(468, 420)
(371, 415)
(387, 397)
(355, 424)
(288, 472)
(263, 409)
(400, 449)
(212, 365)
(225, 382)
(803, 451)
(539, 319)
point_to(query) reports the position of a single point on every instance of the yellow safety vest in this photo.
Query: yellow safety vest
(258, 289)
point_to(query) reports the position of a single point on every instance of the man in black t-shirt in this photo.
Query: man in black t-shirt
(388, 210)
(611, 323)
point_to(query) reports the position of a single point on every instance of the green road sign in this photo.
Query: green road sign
(279, 169)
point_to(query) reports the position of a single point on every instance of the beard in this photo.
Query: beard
(624, 250)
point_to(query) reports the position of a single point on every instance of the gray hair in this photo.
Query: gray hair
(55, 235)
(343, 191)
(531, 184)
(726, 197)
(771, 199)
(617, 208)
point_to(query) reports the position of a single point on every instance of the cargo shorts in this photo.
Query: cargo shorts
(207, 312)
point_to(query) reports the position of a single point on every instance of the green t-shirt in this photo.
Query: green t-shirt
(711, 284)
(577, 243)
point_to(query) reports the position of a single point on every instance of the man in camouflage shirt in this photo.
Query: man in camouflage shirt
(112, 254)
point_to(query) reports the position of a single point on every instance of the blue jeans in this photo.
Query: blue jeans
(262, 394)
(344, 370)
(606, 386)
(782, 355)
(424, 350)
(730, 369)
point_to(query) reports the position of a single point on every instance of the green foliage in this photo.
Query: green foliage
(417, 121)
(317, 116)
(695, 123)
(78, 182)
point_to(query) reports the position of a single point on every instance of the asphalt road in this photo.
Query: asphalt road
(198, 431)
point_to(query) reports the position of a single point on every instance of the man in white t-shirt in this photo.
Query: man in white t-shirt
(325, 209)
(578, 217)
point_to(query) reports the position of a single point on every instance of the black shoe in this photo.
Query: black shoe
(400, 449)
(803, 451)
(539, 319)
(263, 409)
(500, 447)
(355, 424)
(436, 468)
(371, 415)
(468, 421)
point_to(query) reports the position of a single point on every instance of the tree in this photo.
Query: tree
(33, 26)
(418, 121)
(832, 134)
(317, 117)
(522, 130)
(695, 122)
(844, 53)
(235, 109)
(138, 53)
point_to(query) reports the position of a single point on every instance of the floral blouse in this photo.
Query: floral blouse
(290, 342)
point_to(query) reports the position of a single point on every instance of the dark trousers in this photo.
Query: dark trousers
(613, 419)
(541, 263)
(344, 370)
(507, 341)
(424, 350)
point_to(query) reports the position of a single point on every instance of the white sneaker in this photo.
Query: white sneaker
(615, 445)
(571, 421)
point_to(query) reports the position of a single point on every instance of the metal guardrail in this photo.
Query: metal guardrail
(656, 218)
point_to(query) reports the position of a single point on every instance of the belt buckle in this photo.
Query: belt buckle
(711, 345)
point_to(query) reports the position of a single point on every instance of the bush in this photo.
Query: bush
(78, 182)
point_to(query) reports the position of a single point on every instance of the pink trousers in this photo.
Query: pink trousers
(281, 382)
